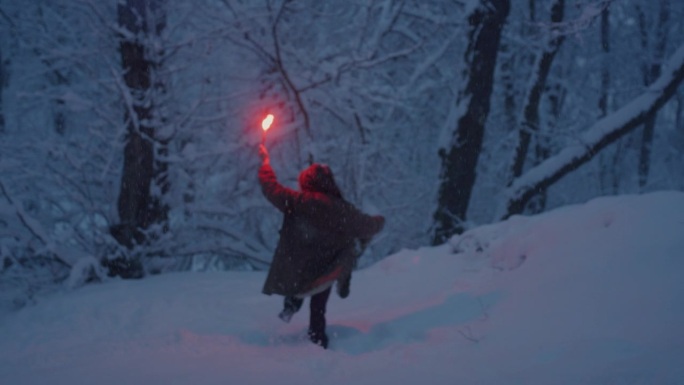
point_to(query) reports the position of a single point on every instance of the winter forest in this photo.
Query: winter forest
(129, 129)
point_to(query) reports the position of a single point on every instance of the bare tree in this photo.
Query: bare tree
(609, 178)
(651, 70)
(143, 183)
(8, 32)
(348, 95)
(529, 125)
(605, 66)
(3, 81)
(459, 157)
(55, 182)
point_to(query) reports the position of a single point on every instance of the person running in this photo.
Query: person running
(321, 237)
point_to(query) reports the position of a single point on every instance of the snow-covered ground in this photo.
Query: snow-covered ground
(589, 294)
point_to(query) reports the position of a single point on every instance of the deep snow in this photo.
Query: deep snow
(588, 294)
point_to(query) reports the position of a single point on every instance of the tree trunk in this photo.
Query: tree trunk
(651, 71)
(679, 114)
(459, 160)
(609, 174)
(138, 206)
(58, 117)
(541, 69)
(530, 124)
(605, 67)
(601, 134)
(508, 80)
(542, 149)
(3, 84)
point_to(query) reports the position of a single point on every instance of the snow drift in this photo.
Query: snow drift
(588, 294)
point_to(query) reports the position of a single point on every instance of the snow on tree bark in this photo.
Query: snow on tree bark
(542, 67)
(529, 125)
(459, 160)
(143, 179)
(604, 132)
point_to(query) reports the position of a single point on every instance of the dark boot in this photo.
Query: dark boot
(317, 338)
(291, 305)
(317, 322)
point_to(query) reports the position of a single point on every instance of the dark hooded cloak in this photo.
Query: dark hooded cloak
(318, 234)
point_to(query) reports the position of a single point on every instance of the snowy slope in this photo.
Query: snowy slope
(589, 294)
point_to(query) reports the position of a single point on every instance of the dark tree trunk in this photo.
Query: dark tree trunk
(532, 7)
(610, 176)
(541, 69)
(58, 117)
(645, 150)
(3, 84)
(459, 161)
(542, 148)
(651, 71)
(508, 80)
(530, 125)
(605, 67)
(679, 114)
(138, 207)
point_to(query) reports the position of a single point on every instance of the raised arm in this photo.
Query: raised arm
(279, 195)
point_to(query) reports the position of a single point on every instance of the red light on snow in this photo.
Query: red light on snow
(266, 123)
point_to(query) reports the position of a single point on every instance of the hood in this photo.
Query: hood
(319, 178)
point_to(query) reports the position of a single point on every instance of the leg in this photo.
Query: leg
(317, 323)
(291, 305)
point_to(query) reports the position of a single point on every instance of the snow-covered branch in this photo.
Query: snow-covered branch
(597, 137)
(34, 227)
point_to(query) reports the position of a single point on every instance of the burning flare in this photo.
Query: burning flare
(266, 123)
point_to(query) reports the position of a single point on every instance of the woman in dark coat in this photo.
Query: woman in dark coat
(319, 242)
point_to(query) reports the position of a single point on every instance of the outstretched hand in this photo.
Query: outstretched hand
(263, 153)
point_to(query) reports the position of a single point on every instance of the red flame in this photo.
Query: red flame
(266, 123)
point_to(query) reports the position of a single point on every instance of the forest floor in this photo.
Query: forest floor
(585, 294)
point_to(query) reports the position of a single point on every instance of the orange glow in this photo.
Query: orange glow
(266, 123)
